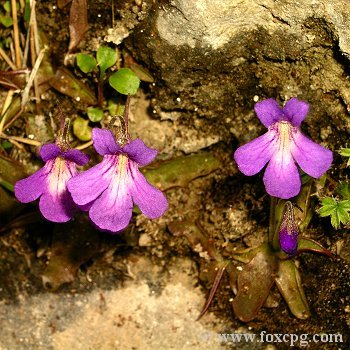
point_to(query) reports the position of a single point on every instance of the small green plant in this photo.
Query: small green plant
(95, 114)
(345, 152)
(6, 18)
(106, 57)
(125, 81)
(81, 129)
(86, 63)
(338, 210)
(338, 207)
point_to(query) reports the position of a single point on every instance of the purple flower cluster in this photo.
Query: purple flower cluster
(108, 190)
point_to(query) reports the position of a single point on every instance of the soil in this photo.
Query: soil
(68, 285)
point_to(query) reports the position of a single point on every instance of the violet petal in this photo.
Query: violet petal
(57, 207)
(253, 156)
(88, 185)
(268, 111)
(49, 151)
(139, 152)
(312, 158)
(296, 110)
(112, 211)
(281, 177)
(151, 201)
(32, 187)
(56, 204)
(288, 231)
(288, 241)
(104, 141)
(76, 156)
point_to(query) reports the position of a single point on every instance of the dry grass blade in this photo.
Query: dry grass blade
(10, 122)
(25, 94)
(6, 105)
(63, 3)
(16, 35)
(31, 20)
(213, 290)
(84, 145)
(7, 59)
(20, 139)
(78, 23)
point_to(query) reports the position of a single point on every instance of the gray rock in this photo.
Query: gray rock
(214, 59)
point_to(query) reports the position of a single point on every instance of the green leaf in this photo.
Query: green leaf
(142, 73)
(27, 10)
(115, 108)
(180, 171)
(288, 282)
(86, 63)
(337, 210)
(81, 129)
(343, 190)
(7, 6)
(66, 83)
(345, 204)
(6, 145)
(6, 21)
(307, 244)
(125, 81)
(95, 114)
(8, 186)
(106, 58)
(254, 284)
(345, 152)
(305, 178)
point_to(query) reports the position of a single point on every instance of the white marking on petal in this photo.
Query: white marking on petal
(119, 182)
(60, 171)
(283, 130)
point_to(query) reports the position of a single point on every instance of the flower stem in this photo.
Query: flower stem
(273, 223)
(126, 115)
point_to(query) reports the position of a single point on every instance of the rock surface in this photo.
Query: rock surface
(214, 59)
(137, 316)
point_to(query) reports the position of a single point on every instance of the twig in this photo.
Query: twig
(112, 13)
(14, 72)
(18, 145)
(5, 107)
(25, 94)
(20, 139)
(7, 103)
(34, 55)
(35, 33)
(10, 122)
(16, 34)
(84, 145)
(31, 19)
(7, 59)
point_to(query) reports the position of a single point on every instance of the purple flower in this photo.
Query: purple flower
(50, 182)
(109, 189)
(282, 146)
(288, 231)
